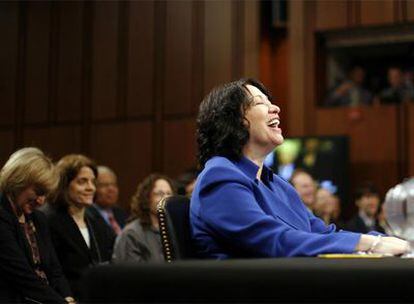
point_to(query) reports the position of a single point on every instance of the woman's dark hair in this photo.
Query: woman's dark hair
(140, 202)
(221, 126)
(69, 167)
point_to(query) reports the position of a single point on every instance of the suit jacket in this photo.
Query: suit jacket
(233, 214)
(119, 214)
(18, 280)
(357, 224)
(71, 248)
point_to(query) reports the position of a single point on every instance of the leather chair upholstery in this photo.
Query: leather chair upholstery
(174, 220)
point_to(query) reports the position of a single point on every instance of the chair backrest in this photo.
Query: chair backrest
(174, 220)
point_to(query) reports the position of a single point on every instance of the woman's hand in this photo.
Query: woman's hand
(383, 245)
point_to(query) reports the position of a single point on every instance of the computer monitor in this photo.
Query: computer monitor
(324, 157)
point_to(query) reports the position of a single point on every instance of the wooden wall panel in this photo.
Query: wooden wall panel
(180, 146)
(70, 60)
(127, 149)
(377, 12)
(9, 31)
(178, 56)
(217, 43)
(6, 146)
(55, 142)
(37, 61)
(252, 38)
(105, 60)
(410, 138)
(331, 14)
(140, 78)
(373, 141)
(409, 10)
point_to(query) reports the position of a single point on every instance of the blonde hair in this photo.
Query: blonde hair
(69, 166)
(28, 167)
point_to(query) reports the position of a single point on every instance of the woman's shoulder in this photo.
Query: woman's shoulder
(133, 227)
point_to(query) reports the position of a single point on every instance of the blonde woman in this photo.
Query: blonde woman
(29, 268)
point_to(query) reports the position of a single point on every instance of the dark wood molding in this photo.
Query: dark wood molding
(86, 106)
(122, 60)
(21, 78)
(159, 69)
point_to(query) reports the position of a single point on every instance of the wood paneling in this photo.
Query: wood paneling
(140, 79)
(218, 38)
(373, 141)
(410, 138)
(6, 146)
(105, 60)
(252, 38)
(331, 14)
(377, 12)
(409, 10)
(180, 146)
(178, 56)
(8, 60)
(70, 60)
(127, 149)
(56, 141)
(119, 81)
(37, 51)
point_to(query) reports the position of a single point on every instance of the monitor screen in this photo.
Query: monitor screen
(324, 157)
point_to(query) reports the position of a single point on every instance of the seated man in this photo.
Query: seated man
(305, 185)
(367, 200)
(351, 91)
(397, 91)
(104, 208)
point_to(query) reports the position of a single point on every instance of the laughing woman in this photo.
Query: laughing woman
(239, 208)
(79, 240)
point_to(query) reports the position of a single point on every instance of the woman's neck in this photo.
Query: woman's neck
(255, 157)
(78, 214)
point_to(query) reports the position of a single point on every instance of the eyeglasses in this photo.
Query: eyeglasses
(161, 193)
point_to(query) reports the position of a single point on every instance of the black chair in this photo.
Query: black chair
(174, 220)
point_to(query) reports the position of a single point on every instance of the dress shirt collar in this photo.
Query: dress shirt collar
(103, 212)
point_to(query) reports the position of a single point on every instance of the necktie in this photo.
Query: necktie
(114, 224)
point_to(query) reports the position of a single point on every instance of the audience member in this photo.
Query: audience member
(140, 240)
(186, 182)
(29, 268)
(80, 241)
(367, 199)
(305, 186)
(351, 92)
(105, 208)
(328, 208)
(239, 208)
(397, 91)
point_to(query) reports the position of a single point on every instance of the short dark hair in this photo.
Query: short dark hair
(221, 126)
(366, 189)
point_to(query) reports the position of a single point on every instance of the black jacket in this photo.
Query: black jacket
(18, 280)
(72, 251)
(356, 224)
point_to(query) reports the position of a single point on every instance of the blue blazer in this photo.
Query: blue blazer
(235, 215)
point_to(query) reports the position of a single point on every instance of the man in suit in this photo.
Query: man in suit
(367, 200)
(104, 209)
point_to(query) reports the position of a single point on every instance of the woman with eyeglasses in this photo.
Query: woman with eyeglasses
(79, 239)
(29, 269)
(239, 208)
(140, 240)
